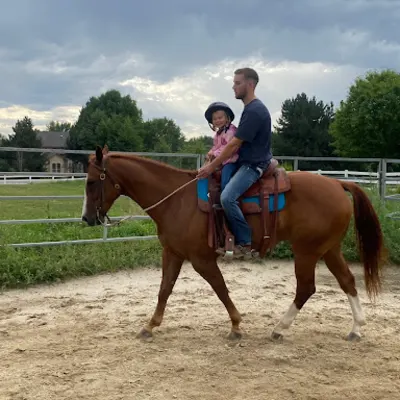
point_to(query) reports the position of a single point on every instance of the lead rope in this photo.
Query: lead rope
(148, 208)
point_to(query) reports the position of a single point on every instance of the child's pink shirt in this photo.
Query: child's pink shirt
(220, 142)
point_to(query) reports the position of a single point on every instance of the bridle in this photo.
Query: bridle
(102, 177)
(103, 174)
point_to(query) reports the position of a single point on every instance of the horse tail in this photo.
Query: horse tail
(369, 238)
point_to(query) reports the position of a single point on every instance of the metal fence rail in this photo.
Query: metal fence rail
(29, 177)
(381, 177)
(81, 241)
(392, 178)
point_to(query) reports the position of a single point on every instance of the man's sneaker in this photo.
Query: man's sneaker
(244, 252)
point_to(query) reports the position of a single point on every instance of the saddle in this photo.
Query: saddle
(265, 197)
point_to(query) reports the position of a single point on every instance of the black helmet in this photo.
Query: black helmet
(218, 105)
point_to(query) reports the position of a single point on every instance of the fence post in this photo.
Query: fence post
(382, 179)
(296, 164)
(105, 233)
(198, 161)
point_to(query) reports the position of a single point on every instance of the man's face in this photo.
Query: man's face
(240, 86)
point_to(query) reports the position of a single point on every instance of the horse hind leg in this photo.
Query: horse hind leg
(305, 276)
(171, 267)
(337, 265)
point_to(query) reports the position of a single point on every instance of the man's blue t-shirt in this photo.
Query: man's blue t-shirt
(255, 131)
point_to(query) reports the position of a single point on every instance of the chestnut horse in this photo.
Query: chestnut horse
(314, 220)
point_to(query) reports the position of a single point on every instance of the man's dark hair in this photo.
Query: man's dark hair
(249, 73)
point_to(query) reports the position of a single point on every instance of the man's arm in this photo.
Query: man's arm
(249, 126)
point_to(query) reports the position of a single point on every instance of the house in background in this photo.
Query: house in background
(58, 162)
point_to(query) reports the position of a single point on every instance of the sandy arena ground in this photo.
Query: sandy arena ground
(77, 340)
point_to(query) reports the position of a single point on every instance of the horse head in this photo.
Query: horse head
(101, 189)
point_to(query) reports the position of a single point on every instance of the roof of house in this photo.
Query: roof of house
(53, 140)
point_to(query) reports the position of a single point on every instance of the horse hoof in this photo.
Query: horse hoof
(353, 337)
(276, 337)
(144, 334)
(235, 335)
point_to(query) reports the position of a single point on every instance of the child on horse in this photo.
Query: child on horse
(220, 116)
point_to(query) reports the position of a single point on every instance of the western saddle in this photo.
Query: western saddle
(256, 200)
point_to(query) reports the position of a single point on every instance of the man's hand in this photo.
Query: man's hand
(205, 171)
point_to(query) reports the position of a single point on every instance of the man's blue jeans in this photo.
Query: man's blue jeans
(238, 184)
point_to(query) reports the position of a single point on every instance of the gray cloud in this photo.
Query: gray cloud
(55, 54)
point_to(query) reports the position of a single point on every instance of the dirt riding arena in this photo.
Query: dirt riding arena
(77, 340)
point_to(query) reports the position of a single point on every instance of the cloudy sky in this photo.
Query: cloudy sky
(175, 57)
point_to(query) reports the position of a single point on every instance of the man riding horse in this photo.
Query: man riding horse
(253, 141)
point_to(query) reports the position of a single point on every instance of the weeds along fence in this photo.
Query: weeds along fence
(381, 173)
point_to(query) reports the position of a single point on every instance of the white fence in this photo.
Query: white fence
(15, 178)
(381, 178)
(392, 178)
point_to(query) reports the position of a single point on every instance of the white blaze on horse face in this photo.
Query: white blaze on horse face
(84, 206)
(358, 314)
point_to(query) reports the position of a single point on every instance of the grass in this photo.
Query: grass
(26, 266)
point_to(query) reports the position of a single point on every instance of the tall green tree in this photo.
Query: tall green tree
(302, 129)
(110, 119)
(7, 163)
(56, 126)
(199, 145)
(163, 135)
(367, 123)
(25, 136)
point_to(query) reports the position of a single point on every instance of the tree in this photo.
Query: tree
(110, 119)
(56, 126)
(25, 136)
(303, 128)
(7, 163)
(199, 145)
(162, 135)
(367, 123)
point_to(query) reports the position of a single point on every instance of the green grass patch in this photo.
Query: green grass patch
(26, 266)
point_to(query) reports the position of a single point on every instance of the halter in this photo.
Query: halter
(103, 173)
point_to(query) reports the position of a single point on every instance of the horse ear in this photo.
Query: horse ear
(105, 149)
(99, 154)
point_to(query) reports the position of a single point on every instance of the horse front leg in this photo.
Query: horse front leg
(171, 267)
(210, 271)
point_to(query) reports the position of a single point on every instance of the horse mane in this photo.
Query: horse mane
(134, 157)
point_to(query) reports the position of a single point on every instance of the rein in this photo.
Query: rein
(118, 187)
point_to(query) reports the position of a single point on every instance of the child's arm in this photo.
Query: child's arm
(212, 152)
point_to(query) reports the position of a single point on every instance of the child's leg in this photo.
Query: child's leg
(228, 170)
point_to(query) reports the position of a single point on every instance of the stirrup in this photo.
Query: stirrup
(226, 254)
